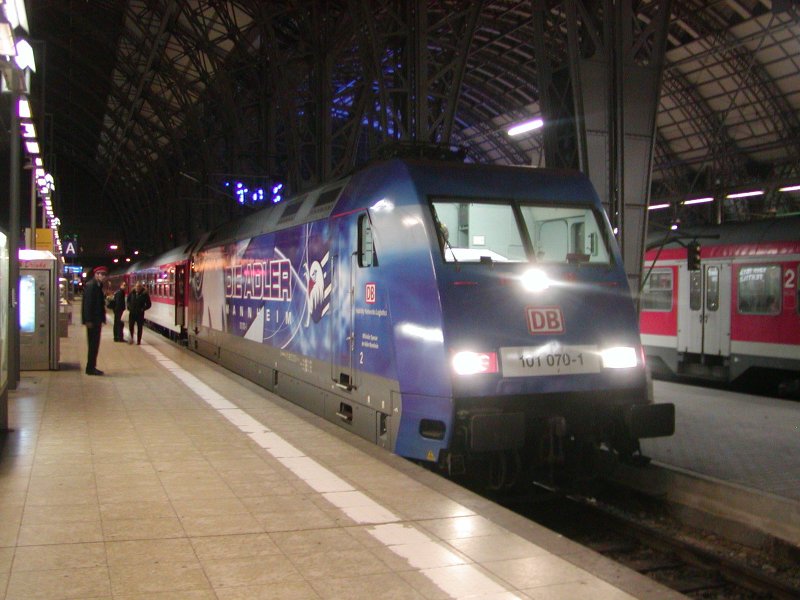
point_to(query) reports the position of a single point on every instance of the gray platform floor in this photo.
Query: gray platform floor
(170, 478)
(751, 441)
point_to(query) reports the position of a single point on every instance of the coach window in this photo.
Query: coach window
(366, 248)
(712, 288)
(695, 290)
(760, 290)
(657, 291)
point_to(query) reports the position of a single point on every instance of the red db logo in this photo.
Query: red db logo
(369, 292)
(545, 320)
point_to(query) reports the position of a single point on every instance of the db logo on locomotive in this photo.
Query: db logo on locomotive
(547, 319)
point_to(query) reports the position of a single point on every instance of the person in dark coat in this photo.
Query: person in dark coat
(138, 302)
(93, 313)
(119, 308)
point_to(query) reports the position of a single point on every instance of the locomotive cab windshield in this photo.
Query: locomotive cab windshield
(508, 231)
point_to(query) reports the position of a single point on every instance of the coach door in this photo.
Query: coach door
(180, 295)
(704, 320)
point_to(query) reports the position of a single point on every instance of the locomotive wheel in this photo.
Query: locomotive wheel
(505, 470)
(498, 471)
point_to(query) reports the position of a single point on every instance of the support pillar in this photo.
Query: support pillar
(614, 64)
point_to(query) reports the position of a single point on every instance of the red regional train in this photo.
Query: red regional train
(734, 312)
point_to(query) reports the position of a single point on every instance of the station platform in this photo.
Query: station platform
(171, 478)
(734, 460)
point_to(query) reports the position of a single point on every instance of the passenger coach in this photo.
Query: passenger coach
(734, 310)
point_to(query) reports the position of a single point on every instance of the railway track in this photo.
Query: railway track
(642, 538)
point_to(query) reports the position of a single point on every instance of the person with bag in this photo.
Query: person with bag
(117, 304)
(138, 302)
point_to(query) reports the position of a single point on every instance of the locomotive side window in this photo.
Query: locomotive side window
(366, 249)
(760, 290)
(657, 291)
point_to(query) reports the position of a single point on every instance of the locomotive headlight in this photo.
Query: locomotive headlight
(619, 357)
(535, 280)
(472, 363)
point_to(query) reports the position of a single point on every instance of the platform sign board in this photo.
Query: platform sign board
(45, 239)
(69, 248)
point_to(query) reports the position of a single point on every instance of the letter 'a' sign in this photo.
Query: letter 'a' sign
(69, 248)
(547, 319)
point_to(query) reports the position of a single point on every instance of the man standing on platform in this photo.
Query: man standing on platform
(94, 315)
(119, 308)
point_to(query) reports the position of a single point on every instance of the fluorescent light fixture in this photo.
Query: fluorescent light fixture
(24, 58)
(28, 129)
(698, 201)
(24, 109)
(32, 147)
(791, 188)
(7, 47)
(526, 127)
(16, 13)
(658, 206)
(746, 194)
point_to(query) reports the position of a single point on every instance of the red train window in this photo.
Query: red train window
(657, 291)
(760, 290)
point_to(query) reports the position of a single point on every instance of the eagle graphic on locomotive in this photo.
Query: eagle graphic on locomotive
(469, 317)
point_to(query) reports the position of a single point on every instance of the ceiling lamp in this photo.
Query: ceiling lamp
(698, 201)
(746, 194)
(526, 127)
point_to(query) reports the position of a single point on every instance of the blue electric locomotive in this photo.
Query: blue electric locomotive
(448, 312)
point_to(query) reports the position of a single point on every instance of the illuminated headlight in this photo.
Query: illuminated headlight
(535, 280)
(620, 357)
(471, 363)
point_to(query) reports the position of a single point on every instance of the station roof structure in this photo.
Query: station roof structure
(153, 106)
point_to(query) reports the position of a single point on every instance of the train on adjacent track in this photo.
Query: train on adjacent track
(471, 317)
(721, 303)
